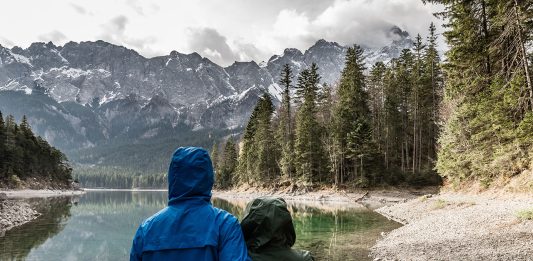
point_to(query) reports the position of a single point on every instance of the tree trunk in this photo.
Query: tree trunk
(524, 54)
(486, 36)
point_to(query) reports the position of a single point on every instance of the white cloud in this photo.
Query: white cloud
(251, 29)
(54, 36)
(350, 21)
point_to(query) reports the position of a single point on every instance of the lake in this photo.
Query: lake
(100, 225)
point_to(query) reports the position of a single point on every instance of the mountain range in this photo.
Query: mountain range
(98, 101)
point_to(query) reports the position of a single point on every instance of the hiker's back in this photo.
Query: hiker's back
(190, 228)
(177, 231)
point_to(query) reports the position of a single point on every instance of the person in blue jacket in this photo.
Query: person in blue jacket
(190, 228)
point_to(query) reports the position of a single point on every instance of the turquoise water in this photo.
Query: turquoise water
(100, 225)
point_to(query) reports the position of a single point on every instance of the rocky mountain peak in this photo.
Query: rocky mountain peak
(396, 33)
(292, 52)
(325, 44)
(174, 54)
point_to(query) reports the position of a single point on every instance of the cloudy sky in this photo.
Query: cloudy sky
(223, 30)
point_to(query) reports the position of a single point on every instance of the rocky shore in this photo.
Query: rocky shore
(15, 210)
(15, 213)
(452, 226)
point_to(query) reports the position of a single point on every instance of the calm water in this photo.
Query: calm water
(100, 225)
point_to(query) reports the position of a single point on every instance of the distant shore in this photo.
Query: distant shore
(372, 198)
(378, 197)
(455, 226)
(113, 189)
(39, 193)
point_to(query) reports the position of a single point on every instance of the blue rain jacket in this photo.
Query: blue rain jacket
(190, 228)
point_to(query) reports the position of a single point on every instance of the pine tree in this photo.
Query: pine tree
(285, 134)
(258, 162)
(415, 104)
(433, 76)
(266, 166)
(215, 161)
(229, 164)
(392, 118)
(311, 159)
(248, 154)
(25, 127)
(325, 114)
(376, 88)
(3, 158)
(352, 123)
(13, 152)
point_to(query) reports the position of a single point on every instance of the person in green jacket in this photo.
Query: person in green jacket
(269, 233)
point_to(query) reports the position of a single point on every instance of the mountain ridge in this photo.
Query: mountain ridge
(88, 94)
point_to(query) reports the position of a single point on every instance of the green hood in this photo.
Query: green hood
(269, 232)
(267, 222)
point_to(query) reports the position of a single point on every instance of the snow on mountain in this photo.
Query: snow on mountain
(116, 92)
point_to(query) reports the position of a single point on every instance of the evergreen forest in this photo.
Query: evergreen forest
(375, 126)
(28, 160)
(420, 119)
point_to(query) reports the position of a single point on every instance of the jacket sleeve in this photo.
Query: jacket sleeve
(232, 246)
(136, 248)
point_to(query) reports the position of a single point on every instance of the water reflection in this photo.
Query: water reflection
(17, 243)
(329, 231)
(102, 225)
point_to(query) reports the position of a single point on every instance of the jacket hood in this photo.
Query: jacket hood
(268, 222)
(190, 175)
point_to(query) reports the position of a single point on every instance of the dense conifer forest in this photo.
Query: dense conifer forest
(488, 106)
(467, 118)
(118, 177)
(375, 126)
(28, 160)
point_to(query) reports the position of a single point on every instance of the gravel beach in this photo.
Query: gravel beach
(453, 226)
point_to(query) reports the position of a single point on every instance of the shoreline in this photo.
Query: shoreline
(133, 190)
(456, 226)
(371, 199)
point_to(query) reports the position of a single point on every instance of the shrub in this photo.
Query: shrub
(15, 181)
(440, 203)
(525, 214)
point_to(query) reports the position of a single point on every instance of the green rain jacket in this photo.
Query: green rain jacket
(269, 232)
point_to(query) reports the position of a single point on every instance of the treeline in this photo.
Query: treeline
(118, 178)
(25, 157)
(488, 106)
(370, 128)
